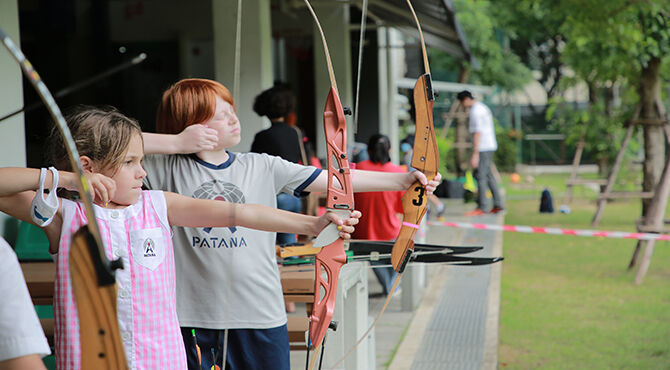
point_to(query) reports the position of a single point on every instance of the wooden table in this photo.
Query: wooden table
(298, 286)
(40, 278)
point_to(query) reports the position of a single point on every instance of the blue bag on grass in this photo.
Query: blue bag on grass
(546, 202)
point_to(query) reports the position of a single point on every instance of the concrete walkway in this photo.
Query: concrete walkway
(457, 320)
(455, 325)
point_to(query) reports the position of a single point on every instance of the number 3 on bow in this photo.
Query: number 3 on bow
(419, 198)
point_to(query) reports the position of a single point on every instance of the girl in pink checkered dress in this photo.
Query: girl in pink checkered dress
(134, 226)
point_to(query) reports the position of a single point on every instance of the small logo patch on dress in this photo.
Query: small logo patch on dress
(149, 248)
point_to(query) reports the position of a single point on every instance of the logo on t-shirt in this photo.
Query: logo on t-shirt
(149, 246)
(219, 190)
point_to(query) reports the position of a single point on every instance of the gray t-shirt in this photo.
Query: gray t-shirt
(227, 278)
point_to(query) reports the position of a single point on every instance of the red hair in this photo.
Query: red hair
(188, 102)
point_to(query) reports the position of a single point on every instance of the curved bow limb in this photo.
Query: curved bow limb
(93, 278)
(328, 262)
(99, 334)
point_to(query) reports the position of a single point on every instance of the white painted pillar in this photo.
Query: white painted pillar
(12, 135)
(392, 67)
(12, 132)
(334, 19)
(385, 95)
(255, 59)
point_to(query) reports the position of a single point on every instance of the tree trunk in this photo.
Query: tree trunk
(603, 166)
(654, 139)
(593, 93)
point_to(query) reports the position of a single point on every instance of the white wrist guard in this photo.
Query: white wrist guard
(43, 209)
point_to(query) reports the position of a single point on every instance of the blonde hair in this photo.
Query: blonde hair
(188, 102)
(102, 134)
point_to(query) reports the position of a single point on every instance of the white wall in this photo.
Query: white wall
(12, 142)
(12, 137)
(392, 68)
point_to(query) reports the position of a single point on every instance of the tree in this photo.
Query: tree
(534, 29)
(627, 40)
(499, 65)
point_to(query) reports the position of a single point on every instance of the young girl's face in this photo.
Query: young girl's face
(128, 177)
(226, 123)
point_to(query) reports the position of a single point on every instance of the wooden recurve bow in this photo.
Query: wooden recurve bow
(425, 158)
(340, 199)
(93, 280)
(415, 200)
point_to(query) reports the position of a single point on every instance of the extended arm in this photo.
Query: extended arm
(191, 212)
(363, 181)
(17, 179)
(17, 190)
(194, 138)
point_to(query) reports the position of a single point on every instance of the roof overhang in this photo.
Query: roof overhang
(437, 18)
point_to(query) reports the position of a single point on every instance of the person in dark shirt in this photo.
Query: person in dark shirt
(281, 140)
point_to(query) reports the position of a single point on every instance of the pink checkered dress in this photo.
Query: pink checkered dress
(146, 303)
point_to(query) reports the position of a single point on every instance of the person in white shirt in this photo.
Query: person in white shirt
(484, 146)
(22, 341)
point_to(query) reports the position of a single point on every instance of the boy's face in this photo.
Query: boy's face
(129, 176)
(226, 123)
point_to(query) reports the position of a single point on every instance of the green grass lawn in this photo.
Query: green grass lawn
(569, 302)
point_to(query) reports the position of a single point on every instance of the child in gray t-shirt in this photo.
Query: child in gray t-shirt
(227, 278)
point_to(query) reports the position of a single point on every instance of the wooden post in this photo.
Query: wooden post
(605, 195)
(449, 117)
(573, 173)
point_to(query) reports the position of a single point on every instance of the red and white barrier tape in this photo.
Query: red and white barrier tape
(552, 230)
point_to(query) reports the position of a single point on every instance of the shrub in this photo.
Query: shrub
(506, 156)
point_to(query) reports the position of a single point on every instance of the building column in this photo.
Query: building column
(255, 58)
(334, 19)
(391, 68)
(12, 133)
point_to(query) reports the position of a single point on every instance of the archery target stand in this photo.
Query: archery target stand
(653, 220)
(606, 193)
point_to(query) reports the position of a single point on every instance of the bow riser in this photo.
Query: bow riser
(404, 243)
(340, 194)
(425, 153)
(424, 159)
(329, 261)
(332, 256)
